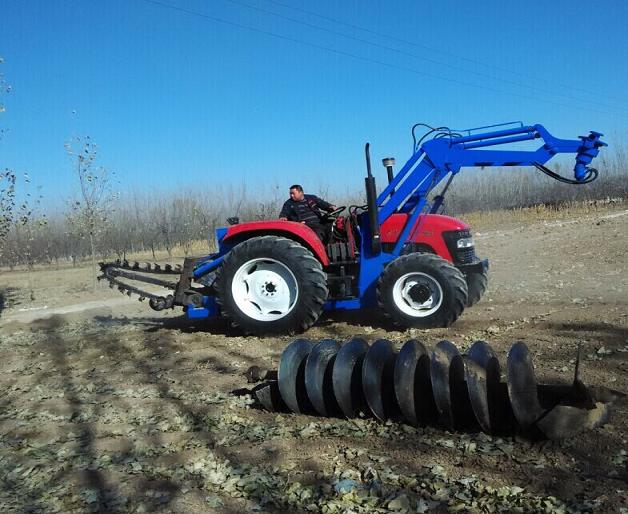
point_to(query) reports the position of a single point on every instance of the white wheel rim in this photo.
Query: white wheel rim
(265, 289)
(426, 285)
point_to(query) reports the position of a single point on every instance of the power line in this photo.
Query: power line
(428, 59)
(430, 48)
(358, 57)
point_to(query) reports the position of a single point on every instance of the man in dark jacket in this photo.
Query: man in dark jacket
(306, 209)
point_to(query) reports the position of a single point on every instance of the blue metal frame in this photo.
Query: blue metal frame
(409, 191)
(208, 266)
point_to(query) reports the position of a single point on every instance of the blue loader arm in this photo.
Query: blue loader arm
(438, 157)
(446, 154)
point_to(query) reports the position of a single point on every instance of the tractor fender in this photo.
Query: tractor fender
(298, 232)
(429, 235)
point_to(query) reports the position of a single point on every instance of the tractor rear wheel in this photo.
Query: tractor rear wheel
(422, 290)
(271, 285)
(476, 285)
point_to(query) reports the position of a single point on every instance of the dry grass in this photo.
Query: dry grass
(495, 219)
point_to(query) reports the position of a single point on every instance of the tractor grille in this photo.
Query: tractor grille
(464, 255)
(460, 255)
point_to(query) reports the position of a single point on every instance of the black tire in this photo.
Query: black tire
(304, 272)
(434, 293)
(477, 284)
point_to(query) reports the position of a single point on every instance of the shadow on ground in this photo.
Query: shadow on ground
(329, 321)
(8, 298)
(137, 409)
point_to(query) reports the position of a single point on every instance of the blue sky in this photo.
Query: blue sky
(185, 93)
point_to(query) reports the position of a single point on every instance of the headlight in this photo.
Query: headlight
(465, 242)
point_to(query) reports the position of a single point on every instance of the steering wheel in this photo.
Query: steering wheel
(328, 216)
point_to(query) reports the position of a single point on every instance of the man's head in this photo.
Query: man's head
(296, 193)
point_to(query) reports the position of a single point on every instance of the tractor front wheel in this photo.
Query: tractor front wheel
(422, 290)
(271, 285)
(476, 284)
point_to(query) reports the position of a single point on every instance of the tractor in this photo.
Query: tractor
(396, 253)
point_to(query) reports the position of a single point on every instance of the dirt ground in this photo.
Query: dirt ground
(108, 406)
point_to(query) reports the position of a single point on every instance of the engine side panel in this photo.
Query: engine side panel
(430, 233)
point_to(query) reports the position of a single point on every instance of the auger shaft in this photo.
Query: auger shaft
(458, 392)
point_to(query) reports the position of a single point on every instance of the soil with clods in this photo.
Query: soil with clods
(108, 406)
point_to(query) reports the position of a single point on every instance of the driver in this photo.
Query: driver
(306, 209)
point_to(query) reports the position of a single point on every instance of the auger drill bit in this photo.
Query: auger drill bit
(458, 392)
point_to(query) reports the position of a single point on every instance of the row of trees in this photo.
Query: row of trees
(179, 222)
(100, 225)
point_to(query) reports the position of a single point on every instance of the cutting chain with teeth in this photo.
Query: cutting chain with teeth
(113, 272)
(455, 391)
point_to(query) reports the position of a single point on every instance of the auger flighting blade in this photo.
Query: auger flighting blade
(564, 421)
(522, 388)
(269, 396)
(347, 376)
(413, 387)
(482, 374)
(378, 380)
(318, 377)
(573, 409)
(292, 375)
(447, 374)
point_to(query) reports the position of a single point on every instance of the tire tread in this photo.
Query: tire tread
(313, 289)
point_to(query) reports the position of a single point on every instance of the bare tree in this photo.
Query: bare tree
(4, 88)
(7, 182)
(28, 224)
(90, 212)
(7, 203)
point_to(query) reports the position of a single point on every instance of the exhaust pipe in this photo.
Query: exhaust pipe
(388, 163)
(371, 200)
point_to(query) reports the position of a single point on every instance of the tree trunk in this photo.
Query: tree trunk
(91, 247)
(29, 274)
